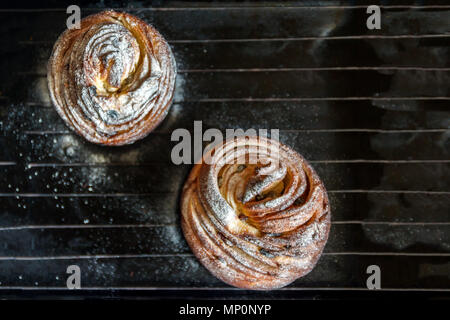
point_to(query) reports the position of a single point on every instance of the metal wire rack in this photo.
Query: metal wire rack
(369, 108)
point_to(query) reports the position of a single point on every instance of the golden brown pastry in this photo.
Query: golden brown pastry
(112, 80)
(257, 216)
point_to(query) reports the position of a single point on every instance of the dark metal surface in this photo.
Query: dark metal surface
(369, 109)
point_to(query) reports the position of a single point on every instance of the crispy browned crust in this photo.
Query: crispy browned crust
(112, 80)
(246, 229)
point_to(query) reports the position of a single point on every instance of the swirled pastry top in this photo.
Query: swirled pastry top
(112, 80)
(255, 213)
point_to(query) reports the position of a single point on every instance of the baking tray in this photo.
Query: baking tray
(368, 108)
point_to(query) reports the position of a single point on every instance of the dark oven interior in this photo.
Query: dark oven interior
(368, 108)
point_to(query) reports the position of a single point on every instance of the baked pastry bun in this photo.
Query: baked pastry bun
(112, 80)
(255, 213)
